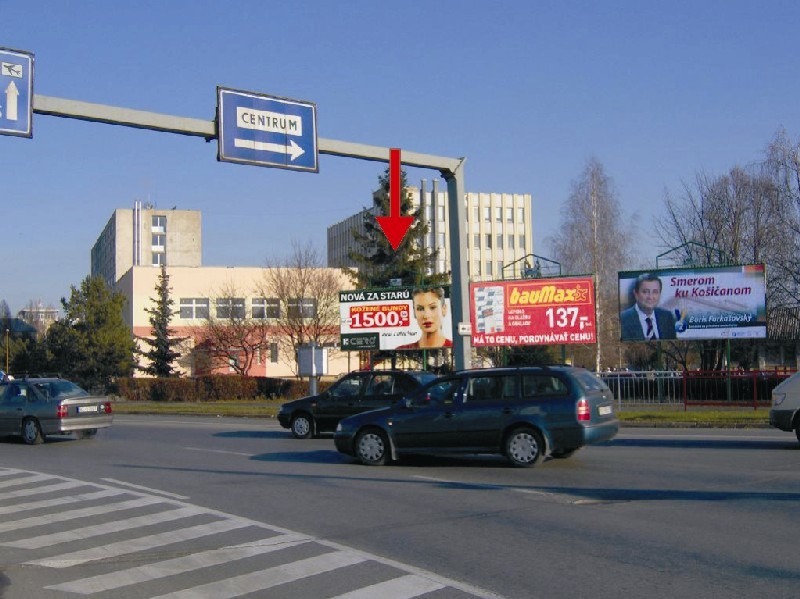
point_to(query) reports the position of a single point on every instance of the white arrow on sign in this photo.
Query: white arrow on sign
(292, 149)
(12, 93)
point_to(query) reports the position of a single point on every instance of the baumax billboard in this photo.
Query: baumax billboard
(533, 312)
(726, 302)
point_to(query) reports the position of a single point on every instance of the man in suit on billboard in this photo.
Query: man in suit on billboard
(645, 321)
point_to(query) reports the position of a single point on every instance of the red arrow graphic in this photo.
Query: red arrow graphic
(395, 226)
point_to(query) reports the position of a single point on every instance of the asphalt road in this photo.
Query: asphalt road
(193, 507)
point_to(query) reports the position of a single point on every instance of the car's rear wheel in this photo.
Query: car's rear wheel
(86, 434)
(524, 447)
(302, 426)
(32, 432)
(797, 432)
(372, 447)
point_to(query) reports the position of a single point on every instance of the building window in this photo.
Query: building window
(159, 258)
(266, 307)
(489, 272)
(499, 242)
(510, 215)
(476, 215)
(441, 241)
(230, 307)
(273, 353)
(476, 240)
(520, 215)
(159, 241)
(522, 242)
(301, 308)
(487, 214)
(159, 224)
(498, 214)
(511, 242)
(194, 307)
(488, 241)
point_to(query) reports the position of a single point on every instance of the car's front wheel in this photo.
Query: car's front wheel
(524, 447)
(372, 447)
(31, 432)
(302, 426)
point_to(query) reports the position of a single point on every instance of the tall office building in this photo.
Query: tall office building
(145, 236)
(498, 232)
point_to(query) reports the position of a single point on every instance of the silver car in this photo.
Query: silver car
(34, 408)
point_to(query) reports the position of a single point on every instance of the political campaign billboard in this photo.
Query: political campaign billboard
(397, 318)
(533, 312)
(727, 302)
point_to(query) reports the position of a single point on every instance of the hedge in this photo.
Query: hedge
(213, 388)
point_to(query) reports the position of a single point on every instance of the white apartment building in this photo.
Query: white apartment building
(143, 236)
(129, 253)
(499, 232)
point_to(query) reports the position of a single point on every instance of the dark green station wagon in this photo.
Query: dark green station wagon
(522, 413)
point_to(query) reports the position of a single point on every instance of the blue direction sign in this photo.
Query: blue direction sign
(266, 130)
(16, 93)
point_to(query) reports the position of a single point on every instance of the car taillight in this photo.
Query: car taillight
(584, 413)
(107, 407)
(61, 411)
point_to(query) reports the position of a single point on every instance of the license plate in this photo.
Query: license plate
(82, 409)
(604, 410)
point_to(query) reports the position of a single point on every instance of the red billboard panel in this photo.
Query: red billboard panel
(533, 311)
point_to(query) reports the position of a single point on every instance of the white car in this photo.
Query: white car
(785, 412)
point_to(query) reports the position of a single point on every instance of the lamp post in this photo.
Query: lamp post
(6, 350)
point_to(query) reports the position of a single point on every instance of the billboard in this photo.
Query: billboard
(726, 302)
(400, 318)
(533, 311)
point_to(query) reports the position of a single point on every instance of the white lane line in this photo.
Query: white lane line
(43, 489)
(114, 481)
(24, 480)
(86, 532)
(77, 558)
(404, 587)
(76, 514)
(237, 586)
(180, 565)
(35, 505)
(247, 455)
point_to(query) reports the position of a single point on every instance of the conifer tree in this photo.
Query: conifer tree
(377, 262)
(162, 353)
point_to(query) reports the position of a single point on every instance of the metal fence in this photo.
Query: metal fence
(726, 388)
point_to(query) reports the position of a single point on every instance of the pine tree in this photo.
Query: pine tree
(377, 262)
(161, 353)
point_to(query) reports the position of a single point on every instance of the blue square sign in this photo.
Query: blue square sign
(16, 93)
(266, 130)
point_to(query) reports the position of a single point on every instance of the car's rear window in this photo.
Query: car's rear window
(589, 382)
(423, 377)
(60, 389)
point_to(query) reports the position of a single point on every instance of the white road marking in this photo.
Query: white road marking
(114, 481)
(404, 587)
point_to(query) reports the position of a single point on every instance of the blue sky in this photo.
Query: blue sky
(526, 90)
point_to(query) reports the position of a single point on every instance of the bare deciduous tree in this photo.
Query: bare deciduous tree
(308, 295)
(230, 337)
(594, 239)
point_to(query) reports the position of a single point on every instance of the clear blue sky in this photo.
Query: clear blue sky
(526, 90)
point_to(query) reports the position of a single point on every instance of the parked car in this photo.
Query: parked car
(785, 411)
(34, 408)
(522, 413)
(352, 394)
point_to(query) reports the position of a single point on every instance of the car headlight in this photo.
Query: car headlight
(339, 428)
(777, 398)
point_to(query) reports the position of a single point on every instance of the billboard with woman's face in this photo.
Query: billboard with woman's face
(401, 318)
(726, 302)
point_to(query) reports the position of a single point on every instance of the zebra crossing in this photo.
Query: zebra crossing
(105, 540)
